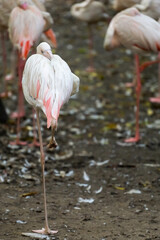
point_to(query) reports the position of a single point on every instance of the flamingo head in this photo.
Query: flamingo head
(45, 50)
(23, 4)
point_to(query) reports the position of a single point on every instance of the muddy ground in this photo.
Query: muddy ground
(97, 187)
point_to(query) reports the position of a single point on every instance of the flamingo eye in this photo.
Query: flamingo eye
(42, 51)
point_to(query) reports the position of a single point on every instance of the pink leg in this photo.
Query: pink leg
(5, 93)
(21, 110)
(90, 68)
(138, 92)
(141, 68)
(157, 99)
(45, 230)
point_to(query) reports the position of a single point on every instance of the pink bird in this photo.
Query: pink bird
(119, 5)
(91, 12)
(5, 9)
(26, 24)
(138, 32)
(47, 84)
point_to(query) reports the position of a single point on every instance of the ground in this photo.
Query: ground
(98, 187)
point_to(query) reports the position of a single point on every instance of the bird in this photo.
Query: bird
(48, 83)
(119, 5)
(138, 32)
(91, 12)
(26, 24)
(5, 9)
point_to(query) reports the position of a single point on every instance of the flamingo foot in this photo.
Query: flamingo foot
(132, 140)
(18, 142)
(130, 84)
(18, 114)
(155, 100)
(45, 231)
(90, 69)
(6, 94)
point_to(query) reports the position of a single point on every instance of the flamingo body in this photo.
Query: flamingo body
(89, 11)
(133, 30)
(25, 28)
(48, 84)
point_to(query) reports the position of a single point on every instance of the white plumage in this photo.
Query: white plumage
(48, 84)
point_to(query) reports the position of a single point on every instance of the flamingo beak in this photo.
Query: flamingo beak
(51, 35)
(48, 54)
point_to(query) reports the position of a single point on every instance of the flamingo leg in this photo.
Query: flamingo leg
(45, 230)
(157, 99)
(90, 68)
(142, 67)
(138, 93)
(21, 111)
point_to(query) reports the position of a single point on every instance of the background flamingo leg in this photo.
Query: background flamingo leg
(138, 93)
(21, 110)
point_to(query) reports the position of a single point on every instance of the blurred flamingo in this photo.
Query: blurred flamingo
(5, 9)
(139, 33)
(89, 11)
(47, 84)
(26, 24)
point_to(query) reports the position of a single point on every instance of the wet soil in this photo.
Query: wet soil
(98, 187)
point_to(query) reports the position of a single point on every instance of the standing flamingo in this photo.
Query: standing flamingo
(47, 84)
(5, 9)
(119, 5)
(26, 24)
(138, 32)
(89, 11)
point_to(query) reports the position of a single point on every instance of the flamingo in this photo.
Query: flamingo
(89, 11)
(47, 84)
(26, 24)
(138, 32)
(5, 9)
(119, 5)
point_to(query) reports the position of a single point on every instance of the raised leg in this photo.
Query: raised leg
(138, 93)
(45, 230)
(52, 144)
